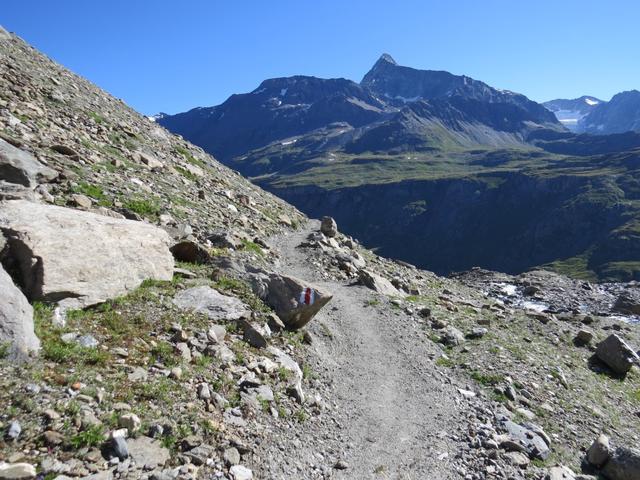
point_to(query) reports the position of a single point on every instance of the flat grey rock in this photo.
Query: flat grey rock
(212, 303)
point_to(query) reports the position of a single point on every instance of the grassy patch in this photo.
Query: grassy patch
(252, 247)
(4, 349)
(143, 207)
(487, 379)
(99, 119)
(91, 437)
(301, 416)
(92, 191)
(186, 173)
(445, 362)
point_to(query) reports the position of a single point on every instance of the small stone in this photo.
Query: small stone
(14, 430)
(231, 456)
(239, 472)
(584, 337)
(295, 392)
(274, 323)
(216, 333)
(130, 421)
(81, 201)
(119, 448)
(560, 473)
(176, 373)
(138, 374)
(518, 459)
(341, 465)
(478, 332)
(203, 391)
(184, 351)
(51, 415)
(17, 471)
(52, 438)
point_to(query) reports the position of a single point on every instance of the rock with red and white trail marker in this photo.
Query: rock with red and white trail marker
(295, 301)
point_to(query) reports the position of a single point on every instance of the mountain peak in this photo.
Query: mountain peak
(385, 57)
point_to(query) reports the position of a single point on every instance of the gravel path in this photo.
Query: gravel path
(393, 414)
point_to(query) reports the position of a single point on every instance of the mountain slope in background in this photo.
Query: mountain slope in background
(571, 112)
(621, 114)
(418, 106)
(437, 169)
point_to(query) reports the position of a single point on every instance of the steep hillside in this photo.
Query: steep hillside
(621, 114)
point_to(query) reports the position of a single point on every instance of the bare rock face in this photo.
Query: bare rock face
(16, 319)
(295, 301)
(80, 258)
(615, 352)
(20, 167)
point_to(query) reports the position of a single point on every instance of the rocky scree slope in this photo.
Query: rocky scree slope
(538, 352)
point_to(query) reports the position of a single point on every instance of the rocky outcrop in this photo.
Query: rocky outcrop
(628, 302)
(16, 319)
(80, 258)
(20, 167)
(295, 301)
(616, 354)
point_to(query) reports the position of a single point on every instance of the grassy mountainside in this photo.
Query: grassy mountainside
(507, 210)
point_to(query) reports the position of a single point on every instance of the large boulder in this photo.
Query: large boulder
(628, 302)
(16, 319)
(20, 167)
(530, 438)
(295, 301)
(79, 258)
(599, 451)
(191, 252)
(623, 464)
(329, 227)
(616, 354)
(212, 303)
(379, 284)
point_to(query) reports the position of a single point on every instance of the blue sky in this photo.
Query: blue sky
(174, 55)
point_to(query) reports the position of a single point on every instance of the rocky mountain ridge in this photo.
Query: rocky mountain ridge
(181, 323)
(431, 144)
(596, 117)
(571, 112)
(620, 114)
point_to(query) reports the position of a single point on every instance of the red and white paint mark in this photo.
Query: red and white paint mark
(307, 296)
